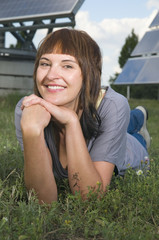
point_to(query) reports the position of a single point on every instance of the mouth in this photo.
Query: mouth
(55, 87)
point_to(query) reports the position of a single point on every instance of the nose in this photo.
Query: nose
(53, 73)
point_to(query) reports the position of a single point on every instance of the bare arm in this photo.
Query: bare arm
(38, 174)
(82, 172)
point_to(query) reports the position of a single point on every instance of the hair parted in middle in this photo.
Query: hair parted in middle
(88, 55)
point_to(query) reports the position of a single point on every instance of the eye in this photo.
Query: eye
(44, 64)
(67, 66)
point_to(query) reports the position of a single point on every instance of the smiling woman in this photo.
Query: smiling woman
(59, 79)
(70, 128)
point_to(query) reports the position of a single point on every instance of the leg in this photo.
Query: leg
(137, 126)
(136, 121)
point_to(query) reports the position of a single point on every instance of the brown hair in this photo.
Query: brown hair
(88, 55)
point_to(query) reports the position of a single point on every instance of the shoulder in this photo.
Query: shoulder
(18, 113)
(18, 110)
(114, 103)
(115, 97)
(17, 120)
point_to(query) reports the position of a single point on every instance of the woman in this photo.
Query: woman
(68, 127)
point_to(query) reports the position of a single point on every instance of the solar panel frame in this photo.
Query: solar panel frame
(59, 14)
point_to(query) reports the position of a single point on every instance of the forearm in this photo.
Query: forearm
(38, 174)
(81, 170)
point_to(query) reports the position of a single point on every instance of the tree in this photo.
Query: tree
(129, 45)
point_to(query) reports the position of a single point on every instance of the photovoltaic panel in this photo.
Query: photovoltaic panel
(26, 9)
(139, 71)
(143, 65)
(130, 71)
(155, 22)
(149, 44)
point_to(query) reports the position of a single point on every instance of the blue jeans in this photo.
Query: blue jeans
(135, 124)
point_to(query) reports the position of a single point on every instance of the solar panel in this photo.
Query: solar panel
(26, 9)
(155, 22)
(130, 71)
(149, 44)
(139, 71)
(143, 66)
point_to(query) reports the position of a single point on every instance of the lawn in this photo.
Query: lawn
(129, 210)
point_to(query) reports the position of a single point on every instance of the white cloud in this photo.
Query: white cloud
(110, 34)
(153, 3)
(40, 34)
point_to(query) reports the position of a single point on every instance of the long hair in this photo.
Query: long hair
(88, 55)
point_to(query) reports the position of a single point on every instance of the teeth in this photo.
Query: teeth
(55, 87)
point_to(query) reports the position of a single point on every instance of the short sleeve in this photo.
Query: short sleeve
(110, 143)
(17, 119)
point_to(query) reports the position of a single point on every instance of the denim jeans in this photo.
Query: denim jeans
(135, 124)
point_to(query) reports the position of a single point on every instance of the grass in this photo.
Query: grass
(129, 210)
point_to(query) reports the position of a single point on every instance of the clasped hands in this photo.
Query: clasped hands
(37, 112)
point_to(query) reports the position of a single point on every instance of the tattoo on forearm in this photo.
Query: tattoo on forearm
(76, 179)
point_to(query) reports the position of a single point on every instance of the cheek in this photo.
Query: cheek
(39, 76)
(39, 79)
(78, 80)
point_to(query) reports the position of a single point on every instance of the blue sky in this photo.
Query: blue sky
(100, 9)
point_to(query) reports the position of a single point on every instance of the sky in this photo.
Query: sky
(109, 22)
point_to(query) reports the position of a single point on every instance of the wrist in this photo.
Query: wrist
(73, 120)
(31, 130)
(73, 124)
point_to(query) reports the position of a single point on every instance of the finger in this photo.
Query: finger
(60, 114)
(26, 99)
(56, 111)
(30, 100)
(48, 106)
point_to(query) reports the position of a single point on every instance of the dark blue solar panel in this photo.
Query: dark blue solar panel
(155, 22)
(10, 9)
(130, 71)
(149, 73)
(139, 71)
(149, 44)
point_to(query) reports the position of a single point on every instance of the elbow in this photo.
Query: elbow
(91, 191)
(44, 194)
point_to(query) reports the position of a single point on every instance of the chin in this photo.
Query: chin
(53, 101)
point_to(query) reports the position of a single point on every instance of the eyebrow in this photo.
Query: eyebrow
(69, 60)
(64, 60)
(44, 58)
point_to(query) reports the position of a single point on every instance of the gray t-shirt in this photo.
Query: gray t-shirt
(113, 144)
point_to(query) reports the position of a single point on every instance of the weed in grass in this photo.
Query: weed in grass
(129, 209)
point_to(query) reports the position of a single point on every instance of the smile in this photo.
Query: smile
(55, 87)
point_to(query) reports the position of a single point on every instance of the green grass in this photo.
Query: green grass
(129, 210)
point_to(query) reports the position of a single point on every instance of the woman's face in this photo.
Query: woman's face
(59, 79)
